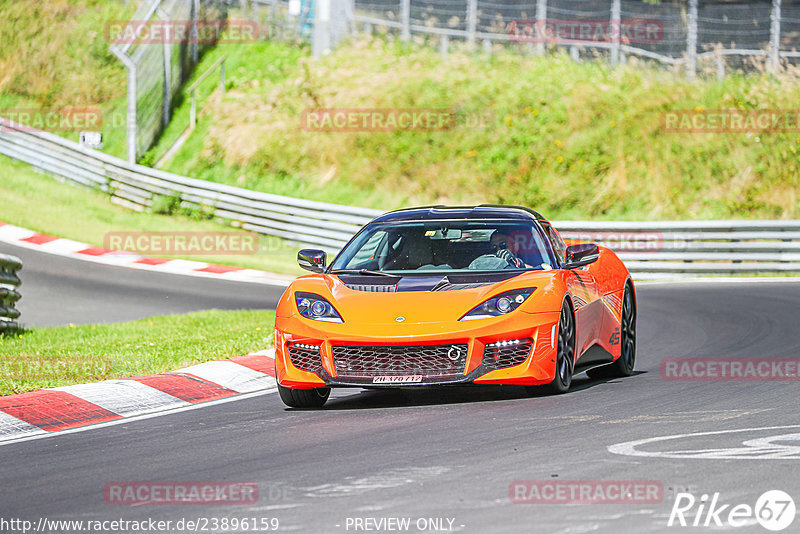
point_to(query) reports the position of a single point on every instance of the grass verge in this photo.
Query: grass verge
(41, 203)
(60, 356)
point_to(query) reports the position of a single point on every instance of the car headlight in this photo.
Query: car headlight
(316, 307)
(499, 304)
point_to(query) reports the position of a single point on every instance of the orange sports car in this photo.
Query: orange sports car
(449, 295)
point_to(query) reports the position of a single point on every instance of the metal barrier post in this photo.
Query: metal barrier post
(472, 21)
(691, 41)
(405, 20)
(616, 29)
(775, 35)
(541, 22)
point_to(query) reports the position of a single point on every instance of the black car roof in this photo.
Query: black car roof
(484, 211)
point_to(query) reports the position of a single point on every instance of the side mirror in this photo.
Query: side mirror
(312, 260)
(580, 255)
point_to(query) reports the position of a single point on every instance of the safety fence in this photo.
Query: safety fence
(708, 36)
(650, 249)
(698, 35)
(9, 294)
(159, 47)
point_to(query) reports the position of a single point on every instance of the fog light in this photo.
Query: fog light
(305, 346)
(504, 343)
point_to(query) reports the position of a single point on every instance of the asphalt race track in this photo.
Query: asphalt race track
(58, 290)
(442, 453)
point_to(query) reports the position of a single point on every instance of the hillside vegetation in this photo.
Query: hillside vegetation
(573, 140)
(54, 53)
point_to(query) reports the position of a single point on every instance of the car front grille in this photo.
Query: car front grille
(502, 354)
(431, 362)
(305, 357)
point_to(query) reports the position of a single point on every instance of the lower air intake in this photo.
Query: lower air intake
(502, 354)
(305, 357)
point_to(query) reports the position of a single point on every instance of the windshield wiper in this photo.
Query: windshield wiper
(365, 272)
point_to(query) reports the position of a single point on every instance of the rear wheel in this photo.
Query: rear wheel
(623, 366)
(565, 351)
(304, 398)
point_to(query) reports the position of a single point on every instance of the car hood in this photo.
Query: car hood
(416, 299)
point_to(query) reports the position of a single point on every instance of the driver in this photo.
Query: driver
(506, 248)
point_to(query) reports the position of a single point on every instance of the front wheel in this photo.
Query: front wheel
(565, 351)
(304, 398)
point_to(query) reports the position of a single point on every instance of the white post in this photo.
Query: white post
(194, 37)
(292, 16)
(405, 20)
(616, 29)
(775, 35)
(166, 97)
(130, 115)
(321, 40)
(541, 21)
(691, 41)
(472, 21)
(444, 46)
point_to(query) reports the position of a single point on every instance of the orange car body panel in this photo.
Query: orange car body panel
(432, 317)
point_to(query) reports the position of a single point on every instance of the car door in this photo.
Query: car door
(585, 296)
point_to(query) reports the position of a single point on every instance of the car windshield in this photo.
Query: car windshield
(416, 247)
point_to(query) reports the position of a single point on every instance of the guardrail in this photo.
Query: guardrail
(306, 222)
(692, 248)
(9, 283)
(649, 249)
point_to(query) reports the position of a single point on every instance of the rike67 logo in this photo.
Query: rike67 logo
(774, 510)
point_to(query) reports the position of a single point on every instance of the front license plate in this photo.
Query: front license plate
(402, 379)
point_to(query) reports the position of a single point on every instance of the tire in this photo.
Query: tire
(304, 398)
(622, 366)
(565, 351)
